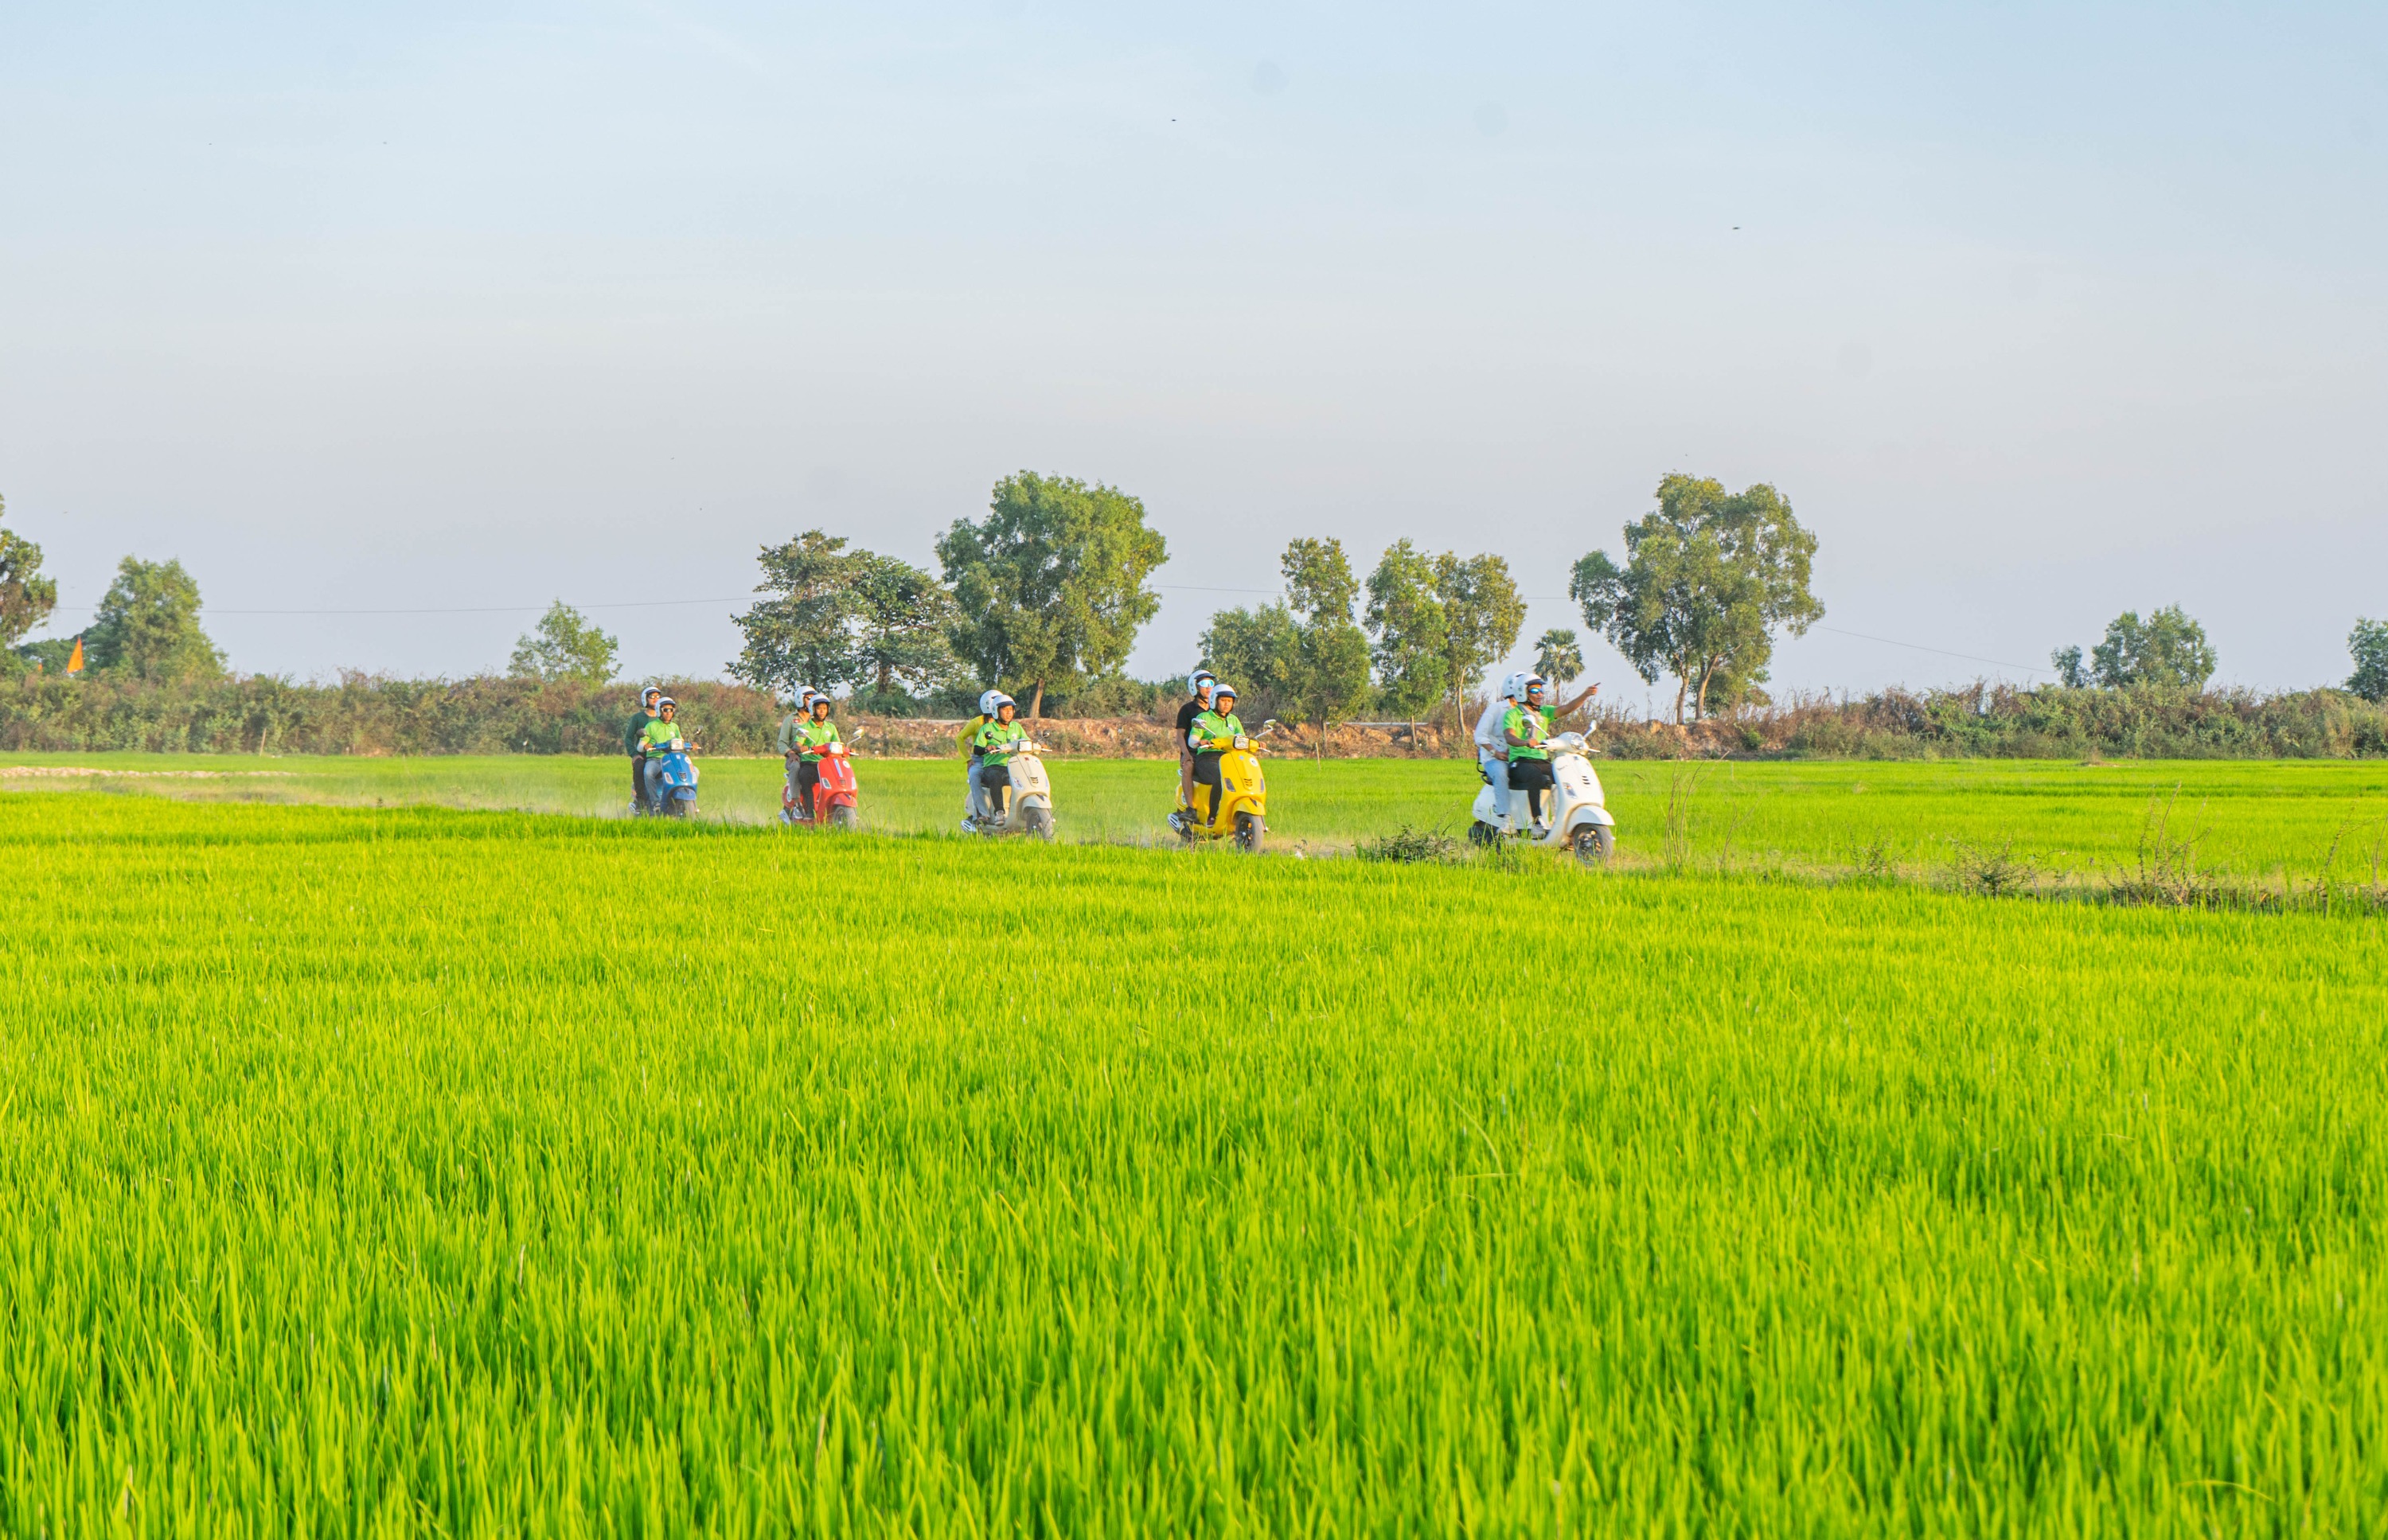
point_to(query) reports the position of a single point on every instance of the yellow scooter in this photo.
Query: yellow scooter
(1243, 800)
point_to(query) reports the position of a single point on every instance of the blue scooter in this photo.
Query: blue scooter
(671, 782)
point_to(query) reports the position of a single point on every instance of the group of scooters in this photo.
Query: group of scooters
(1022, 802)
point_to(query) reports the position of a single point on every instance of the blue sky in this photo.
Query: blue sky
(2035, 313)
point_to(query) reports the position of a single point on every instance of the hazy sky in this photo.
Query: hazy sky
(2035, 312)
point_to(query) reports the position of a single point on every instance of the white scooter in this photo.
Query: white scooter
(1028, 808)
(1573, 806)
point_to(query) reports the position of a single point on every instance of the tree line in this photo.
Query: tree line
(1047, 592)
(1044, 597)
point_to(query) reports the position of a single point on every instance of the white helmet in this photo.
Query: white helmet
(988, 700)
(1514, 688)
(804, 698)
(1196, 680)
(1221, 691)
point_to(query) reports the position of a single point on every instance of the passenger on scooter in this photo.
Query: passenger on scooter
(1197, 691)
(634, 743)
(658, 736)
(1524, 727)
(791, 735)
(792, 725)
(974, 800)
(1214, 733)
(996, 740)
(816, 733)
(1492, 753)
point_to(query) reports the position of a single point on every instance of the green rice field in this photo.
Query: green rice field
(2297, 819)
(418, 1169)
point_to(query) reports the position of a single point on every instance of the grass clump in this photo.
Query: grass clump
(1411, 846)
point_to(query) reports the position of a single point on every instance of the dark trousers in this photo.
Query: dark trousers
(1206, 773)
(638, 780)
(808, 777)
(994, 780)
(1532, 776)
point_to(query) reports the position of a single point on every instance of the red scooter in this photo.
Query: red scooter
(834, 793)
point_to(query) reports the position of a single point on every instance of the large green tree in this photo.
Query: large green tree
(801, 633)
(1708, 581)
(1482, 614)
(26, 596)
(902, 618)
(1330, 681)
(565, 645)
(1051, 584)
(148, 626)
(1408, 635)
(2167, 650)
(2368, 645)
(1259, 651)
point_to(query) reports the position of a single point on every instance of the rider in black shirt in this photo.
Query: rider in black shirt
(1198, 685)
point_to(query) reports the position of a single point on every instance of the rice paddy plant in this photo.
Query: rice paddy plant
(401, 1171)
(2271, 820)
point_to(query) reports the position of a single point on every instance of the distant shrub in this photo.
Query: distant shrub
(361, 714)
(1409, 846)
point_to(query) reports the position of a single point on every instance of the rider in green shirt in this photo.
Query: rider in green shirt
(660, 733)
(1214, 733)
(997, 738)
(1524, 726)
(812, 735)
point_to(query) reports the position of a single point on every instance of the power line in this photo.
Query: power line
(623, 604)
(468, 609)
(1174, 587)
(1920, 647)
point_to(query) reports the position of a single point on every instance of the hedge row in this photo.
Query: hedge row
(363, 715)
(369, 714)
(1994, 722)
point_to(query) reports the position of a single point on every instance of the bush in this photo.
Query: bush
(1408, 846)
(361, 714)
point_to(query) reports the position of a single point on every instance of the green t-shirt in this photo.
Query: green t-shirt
(1530, 723)
(998, 742)
(634, 737)
(811, 737)
(658, 736)
(1211, 729)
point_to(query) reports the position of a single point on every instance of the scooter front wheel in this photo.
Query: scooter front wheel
(1593, 844)
(844, 817)
(1250, 834)
(1038, 822)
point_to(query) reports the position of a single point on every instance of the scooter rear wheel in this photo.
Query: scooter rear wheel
(1481, 833)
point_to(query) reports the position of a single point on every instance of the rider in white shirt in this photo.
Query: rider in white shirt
(1491, 750)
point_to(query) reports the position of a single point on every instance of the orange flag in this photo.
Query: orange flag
(74, 660)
